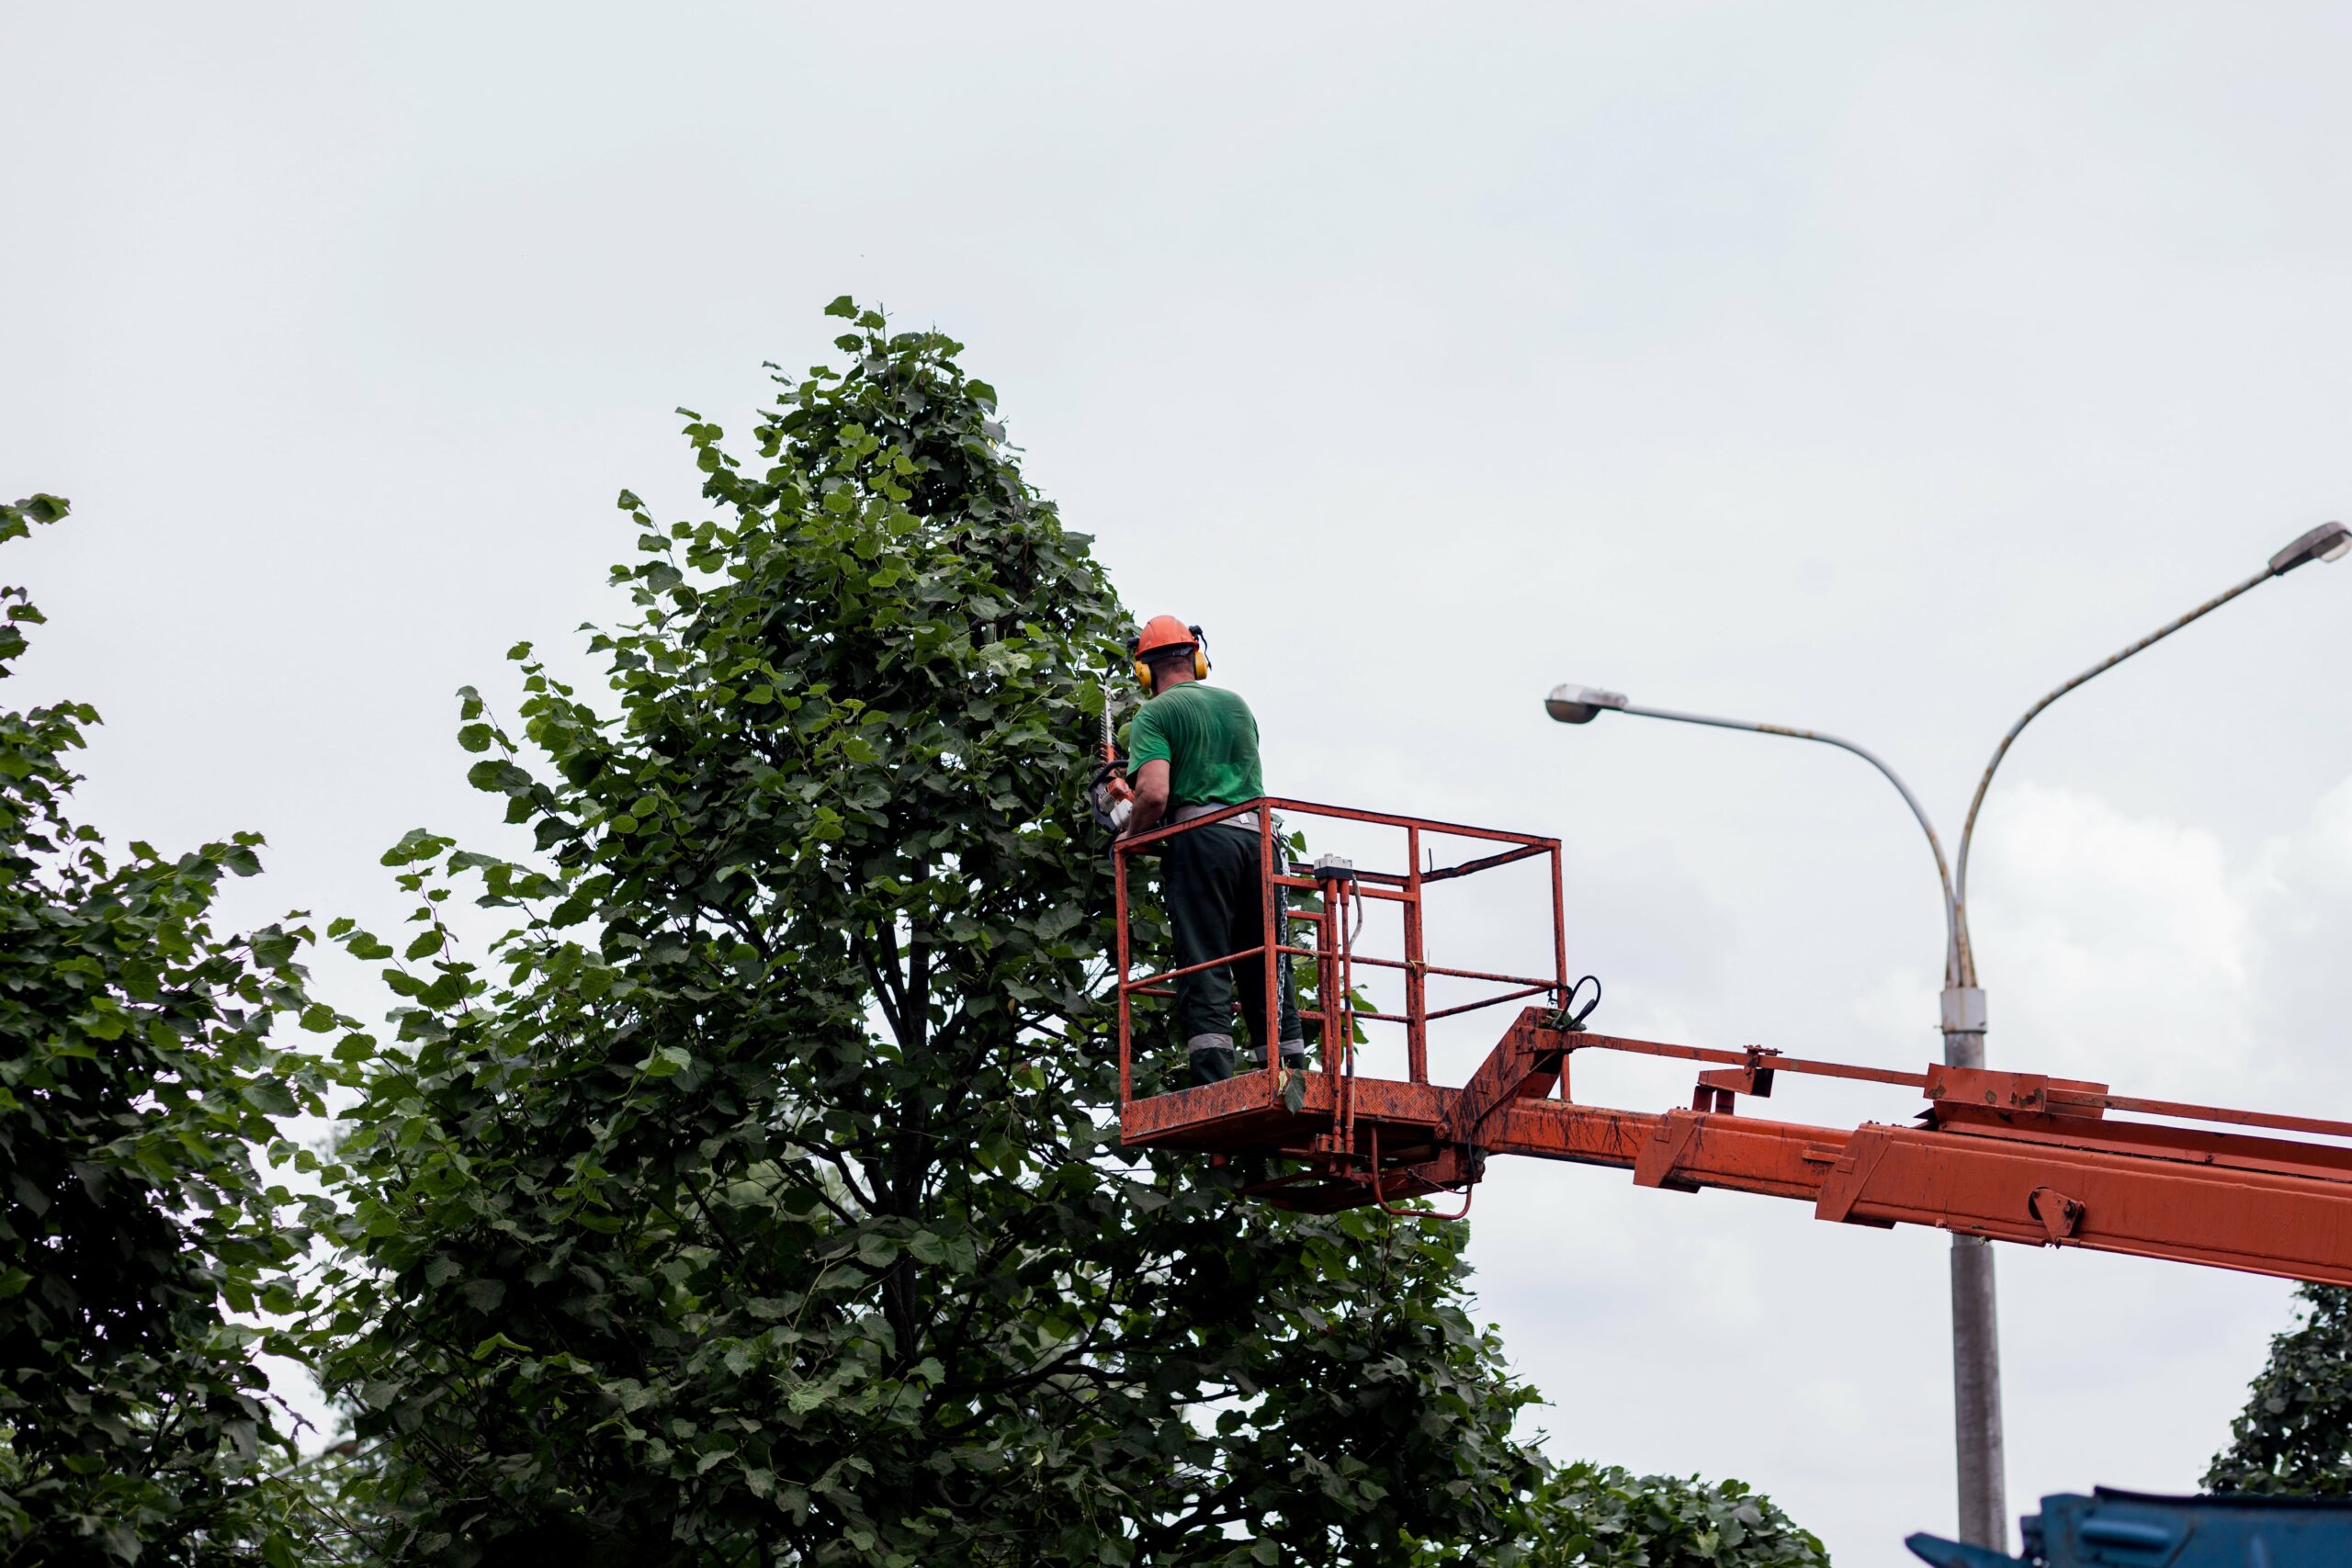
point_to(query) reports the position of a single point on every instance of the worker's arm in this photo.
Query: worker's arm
(1151, 797)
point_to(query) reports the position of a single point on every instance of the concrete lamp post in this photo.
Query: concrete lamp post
(1976, 1349)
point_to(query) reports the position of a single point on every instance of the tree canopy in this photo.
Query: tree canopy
(756, 1197)
(138, 1239)
(2295, 1434)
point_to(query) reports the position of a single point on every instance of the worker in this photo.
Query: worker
(1193, 750)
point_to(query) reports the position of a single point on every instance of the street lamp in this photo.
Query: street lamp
(1976, 1349)
(2329, 541)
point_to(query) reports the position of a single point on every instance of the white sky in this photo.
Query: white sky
(1869, 367)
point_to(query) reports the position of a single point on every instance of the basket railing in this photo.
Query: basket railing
(1332, 944)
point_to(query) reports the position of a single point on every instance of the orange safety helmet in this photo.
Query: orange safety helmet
(1167, 631)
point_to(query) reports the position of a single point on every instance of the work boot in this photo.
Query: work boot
(1211, 1057)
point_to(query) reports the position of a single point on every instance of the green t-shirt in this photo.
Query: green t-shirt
(1208, 737)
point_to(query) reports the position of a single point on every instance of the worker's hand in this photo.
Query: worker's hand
(1108, 802)
(1150, 784)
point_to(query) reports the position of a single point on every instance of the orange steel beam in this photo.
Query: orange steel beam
(2293, 1221)
(2013, 1172)
(2011, 1156)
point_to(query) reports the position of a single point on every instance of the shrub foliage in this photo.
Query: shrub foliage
(1595, 1515)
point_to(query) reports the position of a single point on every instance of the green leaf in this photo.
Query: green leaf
(268, 1095)
(367, 947)
(667, 1062)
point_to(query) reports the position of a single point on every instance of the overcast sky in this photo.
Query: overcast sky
(1872, 369)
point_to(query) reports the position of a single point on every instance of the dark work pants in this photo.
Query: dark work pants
(1217, 904)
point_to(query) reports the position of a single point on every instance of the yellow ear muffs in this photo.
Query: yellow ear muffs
(1143, 670)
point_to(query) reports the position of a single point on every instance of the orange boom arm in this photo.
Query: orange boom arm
(2013, 1156)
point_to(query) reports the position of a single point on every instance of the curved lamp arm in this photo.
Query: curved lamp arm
(1579, 705)
(2329, 541)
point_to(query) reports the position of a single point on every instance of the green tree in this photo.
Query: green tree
(136, 1236)
(756, 1197)
(2295, 1434)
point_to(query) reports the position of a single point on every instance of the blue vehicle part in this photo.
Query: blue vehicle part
(2137, 1530)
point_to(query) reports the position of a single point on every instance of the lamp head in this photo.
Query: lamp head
(1581, 704)
(2329, 541)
